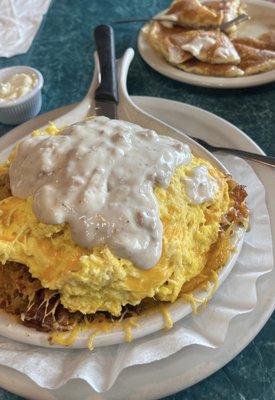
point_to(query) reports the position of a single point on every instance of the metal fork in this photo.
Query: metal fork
(260, 158)
(222, 27)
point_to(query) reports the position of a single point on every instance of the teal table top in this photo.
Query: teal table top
(63, 51)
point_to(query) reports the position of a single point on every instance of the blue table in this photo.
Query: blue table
(63, 52)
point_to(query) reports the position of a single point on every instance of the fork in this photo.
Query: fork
(222, 27)
(260, 158)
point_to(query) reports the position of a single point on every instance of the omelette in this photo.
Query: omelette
(149, 240)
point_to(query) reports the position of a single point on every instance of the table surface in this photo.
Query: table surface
(63, 52)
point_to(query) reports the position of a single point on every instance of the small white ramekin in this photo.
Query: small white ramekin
(14, 112)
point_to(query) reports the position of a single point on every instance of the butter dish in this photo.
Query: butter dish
(20, 94)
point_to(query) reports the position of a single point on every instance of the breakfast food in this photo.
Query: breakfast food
(202, 68)
(105, 220)
(194, 13)
(253, 60)
(202, 48)
(229, 9)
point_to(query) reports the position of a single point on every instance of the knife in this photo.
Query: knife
(106, 94)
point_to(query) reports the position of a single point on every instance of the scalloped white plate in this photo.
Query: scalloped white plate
(10, 328)
(262, 19)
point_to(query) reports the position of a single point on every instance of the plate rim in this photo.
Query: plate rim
(162, 67)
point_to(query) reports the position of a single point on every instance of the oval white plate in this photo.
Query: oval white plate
(262, 19)
(148, 324)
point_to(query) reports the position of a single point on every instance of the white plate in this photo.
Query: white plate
(10, 328)
(262, 19)
(189, 365)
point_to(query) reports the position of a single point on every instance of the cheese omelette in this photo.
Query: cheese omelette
(53, 284)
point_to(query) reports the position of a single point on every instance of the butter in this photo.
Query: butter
(17, 86)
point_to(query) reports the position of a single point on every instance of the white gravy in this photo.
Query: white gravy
(200, 186)
(98, 176)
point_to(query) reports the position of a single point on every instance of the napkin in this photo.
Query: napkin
(19, 23)
(101, 367)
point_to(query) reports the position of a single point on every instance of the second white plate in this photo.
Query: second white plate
(262, 15)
